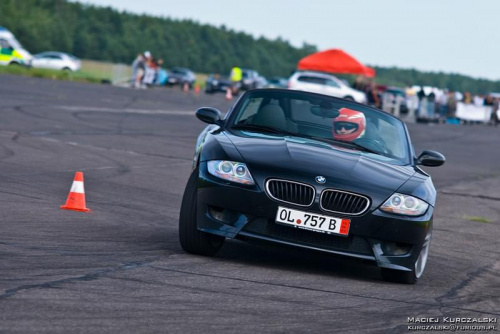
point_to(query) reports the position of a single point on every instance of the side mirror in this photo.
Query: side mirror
(208, 115)
(430, 159)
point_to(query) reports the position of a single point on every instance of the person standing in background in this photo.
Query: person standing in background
(150, 70)
(359, 84)
(138, 67)
(467, 98)
(431, 104)
(488, 101)
(494, 111)
(372, 95)
(451, 105)
(235, 77)
(443, 105)
(422, 102)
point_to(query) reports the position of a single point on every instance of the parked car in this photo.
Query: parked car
(180, 76)
(277, 82)
(251, 79)
(11, 51)
(324, 83)
(217, 83)
(314, 172)
(56, 61)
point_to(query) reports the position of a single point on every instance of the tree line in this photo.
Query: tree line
(103, 33)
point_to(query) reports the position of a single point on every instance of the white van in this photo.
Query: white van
(11, 51)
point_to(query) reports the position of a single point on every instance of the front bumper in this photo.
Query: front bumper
(232, 211)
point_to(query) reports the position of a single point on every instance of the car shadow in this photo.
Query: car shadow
(297, 260)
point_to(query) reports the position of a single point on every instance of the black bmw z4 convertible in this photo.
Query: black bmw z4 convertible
(311, 171)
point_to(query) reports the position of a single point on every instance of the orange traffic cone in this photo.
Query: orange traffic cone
(197, 89)
(229, 94)
(76, 197)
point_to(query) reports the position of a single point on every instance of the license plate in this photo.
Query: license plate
(313, 222)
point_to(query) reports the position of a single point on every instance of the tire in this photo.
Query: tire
(193, 240)
(349, 98)
(67, 69)
(410, 277)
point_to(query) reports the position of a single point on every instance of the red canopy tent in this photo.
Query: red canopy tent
(334, 61)
(369, 72)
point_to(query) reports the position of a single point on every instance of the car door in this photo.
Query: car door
(40, 61)
(333, 88)
(55, 62)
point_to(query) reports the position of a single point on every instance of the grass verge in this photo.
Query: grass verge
(477, 219)
(92, 71)
(80, 76)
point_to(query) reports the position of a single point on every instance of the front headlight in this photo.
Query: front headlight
(231, 171)
(404, 205)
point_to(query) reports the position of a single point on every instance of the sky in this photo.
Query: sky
(455, 36)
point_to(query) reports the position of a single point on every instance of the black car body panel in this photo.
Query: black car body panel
(295, 159)
(249, 211)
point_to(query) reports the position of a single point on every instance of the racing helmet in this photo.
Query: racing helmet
(349, 125)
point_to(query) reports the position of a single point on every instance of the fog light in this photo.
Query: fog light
(216, 213)
(395, 248)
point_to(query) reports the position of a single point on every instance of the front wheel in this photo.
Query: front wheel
(193, 240)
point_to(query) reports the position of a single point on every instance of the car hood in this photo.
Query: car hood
(302, 160)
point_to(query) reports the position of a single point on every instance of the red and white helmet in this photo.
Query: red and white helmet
(349, 125)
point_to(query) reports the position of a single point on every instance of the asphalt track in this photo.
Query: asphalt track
(121, 269)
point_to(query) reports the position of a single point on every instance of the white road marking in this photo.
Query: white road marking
(127, 110)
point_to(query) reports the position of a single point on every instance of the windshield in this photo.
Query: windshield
(322, 118)
(15, 44)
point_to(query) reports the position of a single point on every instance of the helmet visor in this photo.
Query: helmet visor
(344, 127)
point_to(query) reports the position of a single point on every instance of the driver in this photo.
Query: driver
(349, 125)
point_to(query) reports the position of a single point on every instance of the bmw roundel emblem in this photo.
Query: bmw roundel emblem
(320, 179)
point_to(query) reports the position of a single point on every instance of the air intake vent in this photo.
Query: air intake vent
(290, 192)
(343, 202)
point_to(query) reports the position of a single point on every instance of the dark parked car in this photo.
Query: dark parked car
(311, 171)
(180, 76)
(277, 82)
(216, 83)
(251, 79)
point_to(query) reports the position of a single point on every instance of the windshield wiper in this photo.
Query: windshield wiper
(262, 128)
